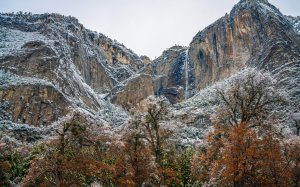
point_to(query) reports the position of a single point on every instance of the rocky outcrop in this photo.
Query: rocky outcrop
(169, 73)
(164, 64)
(37, 105)
(133, 91)
(117, 53)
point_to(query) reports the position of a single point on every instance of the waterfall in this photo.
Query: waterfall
(186, 67)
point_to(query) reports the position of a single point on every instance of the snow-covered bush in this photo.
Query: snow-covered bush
(252, 97)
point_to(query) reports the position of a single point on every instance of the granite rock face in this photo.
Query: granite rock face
(247, 36)
(169, 73)
(133, 91)
(255, 33)
(50, 49)
(33, 104)
(117, 53)
(50, 64)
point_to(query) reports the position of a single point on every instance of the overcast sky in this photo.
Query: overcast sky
(146, 26)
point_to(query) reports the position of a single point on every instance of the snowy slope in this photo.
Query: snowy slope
(57, 51)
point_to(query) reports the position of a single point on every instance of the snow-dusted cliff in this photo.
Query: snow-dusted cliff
(51, 65)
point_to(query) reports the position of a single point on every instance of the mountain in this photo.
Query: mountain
(51, 65)
(254, 33)
(223, 111)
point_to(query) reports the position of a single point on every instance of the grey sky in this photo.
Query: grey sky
(146, 26)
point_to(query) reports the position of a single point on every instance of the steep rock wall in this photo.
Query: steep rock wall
(38, 105)
(255, 33)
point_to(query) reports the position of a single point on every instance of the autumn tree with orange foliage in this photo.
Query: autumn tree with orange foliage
(249, 160)
(148, 156)
(134, 163)
(145, 144)
(244, 149)
(73, 159)
(152, 131)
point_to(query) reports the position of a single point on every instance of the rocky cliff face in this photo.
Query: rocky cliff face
(56, 65)
(170, 70)
(255, 33)
(133, 91)
(52, 49)
(117, 53)
(33, 104)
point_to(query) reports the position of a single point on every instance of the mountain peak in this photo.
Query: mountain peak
(258, 6)
(255, 1)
